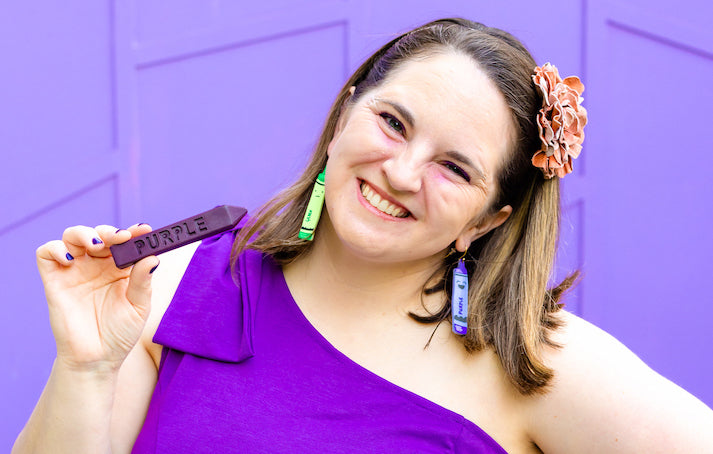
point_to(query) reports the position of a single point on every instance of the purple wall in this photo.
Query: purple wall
(119, 112)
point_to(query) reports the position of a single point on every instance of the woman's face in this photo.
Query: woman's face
(412, 165)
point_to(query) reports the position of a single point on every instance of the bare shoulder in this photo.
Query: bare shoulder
(605, 399)
(164, 284)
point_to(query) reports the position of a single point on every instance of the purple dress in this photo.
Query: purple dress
(242, 370)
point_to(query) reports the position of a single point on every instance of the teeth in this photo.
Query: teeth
(380, 204)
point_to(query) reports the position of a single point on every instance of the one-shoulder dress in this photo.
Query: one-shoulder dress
(242, 370)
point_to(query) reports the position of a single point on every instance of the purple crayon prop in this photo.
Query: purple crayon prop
(178, 234)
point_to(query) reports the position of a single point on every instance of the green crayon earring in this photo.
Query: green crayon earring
(314, 209)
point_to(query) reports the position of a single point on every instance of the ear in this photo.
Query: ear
(479, 229)
(341, 120)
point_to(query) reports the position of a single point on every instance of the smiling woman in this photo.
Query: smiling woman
(333, 339)
(441, 123)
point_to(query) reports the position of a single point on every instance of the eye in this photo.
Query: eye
(393, 122)
(457, 170)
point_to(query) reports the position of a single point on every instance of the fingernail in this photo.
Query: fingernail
(117, 231)
(96, 241)
(69, 256)
(140, 223)
(153, 269)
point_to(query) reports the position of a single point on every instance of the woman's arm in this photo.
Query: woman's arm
(138, 375)
(97, 394)
(604, 399)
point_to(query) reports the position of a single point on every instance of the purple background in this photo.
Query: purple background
(120, 112)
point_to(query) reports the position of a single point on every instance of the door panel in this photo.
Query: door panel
(649, 207)
(234, 125)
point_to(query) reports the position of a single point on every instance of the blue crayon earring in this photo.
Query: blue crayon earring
(459, 298)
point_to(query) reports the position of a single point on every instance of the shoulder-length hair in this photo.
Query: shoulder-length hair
(511, 308)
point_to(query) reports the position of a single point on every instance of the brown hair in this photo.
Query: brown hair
(511, 308)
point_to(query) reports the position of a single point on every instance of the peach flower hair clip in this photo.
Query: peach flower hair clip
(561, 121)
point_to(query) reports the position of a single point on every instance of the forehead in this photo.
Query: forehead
(451, 95)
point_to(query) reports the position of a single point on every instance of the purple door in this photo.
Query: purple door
(646, 186)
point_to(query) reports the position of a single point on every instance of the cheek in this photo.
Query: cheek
(442, 186)
(336, 191)
(364, 146)
(452, 200)
(436, 177)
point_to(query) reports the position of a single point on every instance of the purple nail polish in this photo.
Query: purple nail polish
(97, 241)
(153, 269)
(69, 256)
(117, 231)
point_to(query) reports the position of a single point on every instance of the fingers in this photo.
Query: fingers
(96, 241)
(139, 289)
(139, 229)
(110, 235)
(75, 243)
(82, 240)
(54, 251)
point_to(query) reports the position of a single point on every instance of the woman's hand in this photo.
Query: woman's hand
(97, 311)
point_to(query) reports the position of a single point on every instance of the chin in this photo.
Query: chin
(383, 248)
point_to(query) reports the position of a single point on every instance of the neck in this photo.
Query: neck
(351, 283)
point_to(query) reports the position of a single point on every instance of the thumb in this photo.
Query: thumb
(138, 291)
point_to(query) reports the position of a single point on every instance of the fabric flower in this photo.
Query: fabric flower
(560, 121)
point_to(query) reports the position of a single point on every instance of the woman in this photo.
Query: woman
(340, 341)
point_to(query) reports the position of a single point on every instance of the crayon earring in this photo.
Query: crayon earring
(459, 298)
(314, 209)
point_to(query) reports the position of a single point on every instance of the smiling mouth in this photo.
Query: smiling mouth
(380, 203)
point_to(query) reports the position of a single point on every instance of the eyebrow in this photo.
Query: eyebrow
(403, 111)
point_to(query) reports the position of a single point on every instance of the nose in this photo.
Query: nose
(404, 169)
